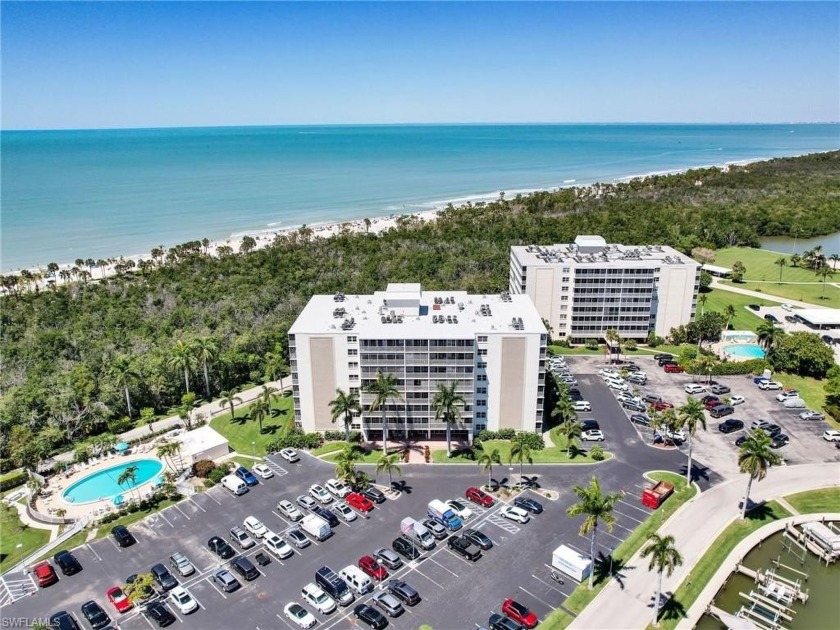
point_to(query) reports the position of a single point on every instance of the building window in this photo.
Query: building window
(480, 403)
(482, 338)
(482, 365)
(418, 383)
(354, 377)
(480, 414)
(482, 352)
(352, 339)
(481, 377)
(352, 352)
(353, 365)
(481, 390)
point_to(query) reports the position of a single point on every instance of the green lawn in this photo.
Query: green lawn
(703, 571)
(825, 500)
(328, 447)
(575, 350)
(744, 319)
(368, 458)
(71, 543)
(128, 519)
(810, 389)
(18, 540)
(241, 431)
(811, 293)
(549, 455)
(582, 596)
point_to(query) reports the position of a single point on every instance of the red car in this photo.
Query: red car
(661, 405)
(519, 613)
(673, 368)
(358, 502)
(478, 496)
(712, 403)
(44, 574)
(373, 568)
(119, 599)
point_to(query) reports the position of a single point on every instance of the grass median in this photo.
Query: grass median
(18, 540)
(243, 434)
(825, 500)
(582, 596)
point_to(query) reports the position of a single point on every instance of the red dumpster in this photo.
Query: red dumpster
(654, 495)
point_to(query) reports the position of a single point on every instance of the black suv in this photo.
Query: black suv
(500, 622)
(728, 426)
(640, 419)
(405, 549)
(464, 547)
(370, 616)
(403, 592)
(67, 562)
(478, 538)
(779, 440)
(590, 425)
(220, 548)
(63, 620)
(662, 355)
(327, 515)
(122, 536)
(721, 410)
(245, 568)
(95, 615)
(719, 389)
(373, 494)
(163, 577)
(160, 614)
(632, 405)
(772, 430)
(771, 318)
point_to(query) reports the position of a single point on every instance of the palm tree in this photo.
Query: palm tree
(486, 461)
(705, 364)
(781, 263)
(702, 299)
(124, 372)
(596, 507)
(388, 463)
(383, 388)
(613, 340)
(229, 399)
(182, 357)
(824, 272)
(260, 410)
(795, 259)
(729, 314)
(446, 403)
(345, 464)
(564, 409)
(768, 335)
(571, 431)
(205, 349)
(275, 365)
(520, 452)
(664, 557)
(128, 476)
(755, 458)
(344, 406)
(691, 415)
(166, 451)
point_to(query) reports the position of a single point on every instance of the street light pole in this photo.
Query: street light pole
(612, 549)
(254, 449)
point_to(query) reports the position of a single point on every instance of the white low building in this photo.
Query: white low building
(202, 443)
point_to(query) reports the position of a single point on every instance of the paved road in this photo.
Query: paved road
(695, 526)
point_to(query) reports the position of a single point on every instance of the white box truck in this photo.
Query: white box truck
(571, 563)
(316, 527)
(443, 514)
(417, 533)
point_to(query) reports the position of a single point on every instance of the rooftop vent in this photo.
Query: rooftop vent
(338, 297)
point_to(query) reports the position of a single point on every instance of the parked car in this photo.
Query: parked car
(640, 419)
(479, 497)
(317, 598)
(787, 307)
(694, 388)
(515, 514)
(44, 574)
(299, 616)
(337, 488)
(369, 565)
(736, 400)
(287, 509)
(779, 440)
(712, 403)
(404, 592)
(632, 405)
(638, 378)
(438, 530)
(119, 600)
(720, 389)
(719, 411)
(460, 509)
(388, 558)
(245, 568)
(276, 545)
(759, 424)
(359, 502)
(405, 549)
(306, 502)
(320, 494)
(67, 562)
(182, 600)
(772, 430)
(373, 494)
(787, 393)
(651, 398)
(95, 615)
(226, 580)
(678, 436)
(771, 318)
(218, 546)
(519, 613)
(63, 620)
(500, 622)
(122, 536)
(164, 579)
(370, 616)
(290, 455)
(181, 564)
(673, 368)
(794, 403)
(592, 436)
(831, 435)
(464, 547)
(728, 426)
(477, 538)
(389, 604)
(528, 504)
(298, 538)
(344, 512)
(160, 614)
(327, 515)
(661, 405)
(589, 425)
(246, 475)
(241, 537)
(662, 355)
(582, 405)
(811, 415)
(263, 471)
(765, 385)
(754, 307)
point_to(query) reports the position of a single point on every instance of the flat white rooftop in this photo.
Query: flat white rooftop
(392, 314)
(594, 250)
(201, 439)
(820, 316)
(715, 269)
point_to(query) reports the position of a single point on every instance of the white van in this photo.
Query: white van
(234, 484)
(356, 579)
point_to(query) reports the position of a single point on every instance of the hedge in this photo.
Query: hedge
(729, 368)
(338, 436)
(295, 438)
(13, 480)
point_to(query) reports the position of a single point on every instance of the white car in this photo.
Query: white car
(674, 436)
(794, 403)
(831, 435)
(344, 511)
(582, 405)
(769, 385)
(618, 384)
(289, 510)
(460, 509)
(338, 488)
(299, 616)
(608, 373)
(241, 538)
(320, 494)
(182, 600)
(737, 400)
(263, 471)
(255, 526)
(694, 388)
(515, 514)
(290, 455)
(322, 602)
(277, 545)
(783, 396)
(593, 435)
(787, 307)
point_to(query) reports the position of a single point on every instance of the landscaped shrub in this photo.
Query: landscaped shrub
(728, 368)
(203, 467)
(563, 343)
(630, 344)
(534, 441)
(596, 453)
(355, 437)
(13, 480)
(295, 438)
(653, 340)
(333, 436)
(217, 473)
(209, 483)
(508, 433)
(591, 344)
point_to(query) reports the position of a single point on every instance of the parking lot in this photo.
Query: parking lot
(517, 566)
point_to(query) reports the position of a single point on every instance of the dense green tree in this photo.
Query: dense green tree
(738, 271)
(124, 373)
(345, 406)
(803, 353)
(447, 404)
(182, 357)
(769, 335)
(383, 389)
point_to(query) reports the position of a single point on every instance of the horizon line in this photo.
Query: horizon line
(423, 124)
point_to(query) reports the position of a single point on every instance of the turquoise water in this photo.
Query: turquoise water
(103, 484)
(745, 351)
(97, 194)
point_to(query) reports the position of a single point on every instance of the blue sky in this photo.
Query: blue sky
(96, 65)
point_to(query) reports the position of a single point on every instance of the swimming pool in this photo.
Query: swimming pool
(103, 484)
(744, 351)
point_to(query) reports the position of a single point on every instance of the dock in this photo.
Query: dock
(799, 542)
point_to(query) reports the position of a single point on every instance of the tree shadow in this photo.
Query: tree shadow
(604, 569)
(402, 486)
(671, 608)
(697, 472)
(529, 482)
(576, 451)
(271, 429)
(759, 511)
(465, 452)
(240, 420)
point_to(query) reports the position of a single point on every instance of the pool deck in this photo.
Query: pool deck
(49, 500)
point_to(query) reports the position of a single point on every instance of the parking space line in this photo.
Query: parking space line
(210, 496)
(635, 507)
(192, 500)
(282, 519)
(93, 552)
(283, 619)
(166, 519)
(419, 572)
(212, 582)
(550, 607)
(441, 566)
(551, 586)
(628, 516)
(182, 512)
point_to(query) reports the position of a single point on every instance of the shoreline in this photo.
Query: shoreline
(378, 224)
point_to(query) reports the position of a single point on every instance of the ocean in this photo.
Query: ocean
(106, 193)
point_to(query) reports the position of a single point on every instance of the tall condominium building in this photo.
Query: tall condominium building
(587, 287)
(492, 346)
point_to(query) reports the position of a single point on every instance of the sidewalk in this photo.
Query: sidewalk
(695, 526)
